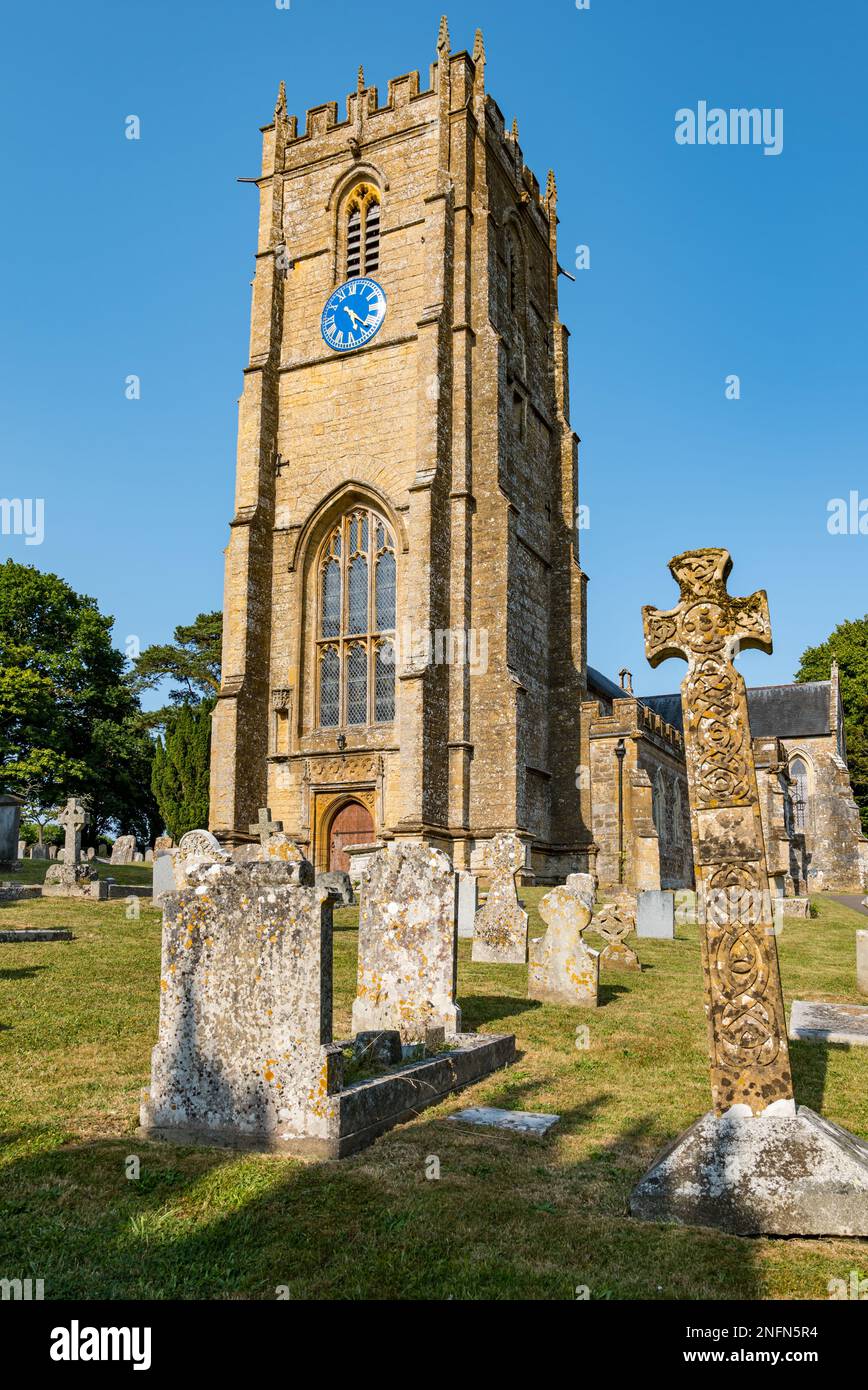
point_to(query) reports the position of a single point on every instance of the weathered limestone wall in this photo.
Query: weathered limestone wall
(834, 845)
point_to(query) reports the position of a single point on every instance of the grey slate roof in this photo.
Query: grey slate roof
(776, 711)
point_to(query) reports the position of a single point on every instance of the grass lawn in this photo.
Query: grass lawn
(509, 1217)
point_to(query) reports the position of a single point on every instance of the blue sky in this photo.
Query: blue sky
(135, 257)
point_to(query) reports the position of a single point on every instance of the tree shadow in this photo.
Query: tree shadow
(22, 972)
(498, 1216)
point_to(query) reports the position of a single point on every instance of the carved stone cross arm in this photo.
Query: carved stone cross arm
(708, 621)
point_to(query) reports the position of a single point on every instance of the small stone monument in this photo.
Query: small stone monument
(500, 929)
(73, 878)
(339, 885)
(655, 914)
(10, 820)
(22, 848)
(466, 903)
(563, 968)
(614, 924)
(753, 1165)
(163, 842)
(862, 961)
(124, 849)
(39, 852)
(406, 974)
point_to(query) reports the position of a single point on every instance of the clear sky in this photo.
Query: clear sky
(125, 257)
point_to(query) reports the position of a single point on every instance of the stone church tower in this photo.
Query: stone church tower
(404, 649)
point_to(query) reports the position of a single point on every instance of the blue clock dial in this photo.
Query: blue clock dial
(353, 314)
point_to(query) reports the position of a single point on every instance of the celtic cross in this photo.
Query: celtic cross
(744, 1004)
(73, 819)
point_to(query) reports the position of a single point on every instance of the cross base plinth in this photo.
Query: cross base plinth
(781, 1175)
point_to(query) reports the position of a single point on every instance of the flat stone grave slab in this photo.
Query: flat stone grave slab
(812, 1021)
(516, 1121)
(35, 934)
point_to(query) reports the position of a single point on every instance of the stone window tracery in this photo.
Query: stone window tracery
(363, 231)
(356, 623)
(799, 794)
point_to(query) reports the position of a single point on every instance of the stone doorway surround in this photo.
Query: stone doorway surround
(328, 806)
(352, 824)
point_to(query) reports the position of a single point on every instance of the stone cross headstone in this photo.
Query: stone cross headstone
(265, 826)
(753, 1165)
(614, 924)
(750, 1063)
(466, 903)
(500, 930)
(563, 967)
(406, 972)
(73, 819)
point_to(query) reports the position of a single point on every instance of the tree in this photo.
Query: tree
(70, 723)
(181, 768)
(191, 661)
(848, 645)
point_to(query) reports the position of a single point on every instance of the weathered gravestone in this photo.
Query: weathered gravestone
(406, 973)
(10, 820)
(149, 856)
(844, 1025)
(500, 929)
(52, 852)
(72, 878)
(22, 848)
(752, 1165)
(466, 903)
(123, 849)
(563, 968)
(614, 924)
(862, 961)
(655, 914)
(39, 852)
(163, 842)
(244, 1055)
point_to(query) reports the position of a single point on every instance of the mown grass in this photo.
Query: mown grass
(508, 1218)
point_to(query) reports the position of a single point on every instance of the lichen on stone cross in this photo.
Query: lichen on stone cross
(614, 925)
(73, 819)
(750, 1064)
(265, 826)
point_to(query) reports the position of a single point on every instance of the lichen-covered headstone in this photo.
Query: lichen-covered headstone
(500, 929)
(339, 885)
(614, 924)
(123, 849)
(244, 1053)
(406, 976)
(563, 968)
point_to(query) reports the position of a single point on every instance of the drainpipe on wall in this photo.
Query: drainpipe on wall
(620, 754)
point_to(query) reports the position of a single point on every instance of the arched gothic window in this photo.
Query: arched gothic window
(799, 794)
(514, 272)
(660, 799)
(356, 623)
(363, 231)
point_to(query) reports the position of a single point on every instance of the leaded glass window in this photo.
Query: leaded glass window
(356, 623)
(799, 794)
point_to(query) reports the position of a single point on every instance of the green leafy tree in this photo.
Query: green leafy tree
(70, 722)
(181, 768)
(848, 645)
(191, 662)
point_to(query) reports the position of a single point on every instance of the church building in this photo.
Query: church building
(404, 646)
(405, 650)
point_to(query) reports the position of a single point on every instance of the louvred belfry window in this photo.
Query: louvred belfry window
(356, 623)
(363, 231)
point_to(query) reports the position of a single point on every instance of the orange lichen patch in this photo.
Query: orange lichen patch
(164, 984)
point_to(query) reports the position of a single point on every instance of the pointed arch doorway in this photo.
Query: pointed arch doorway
(352, 825)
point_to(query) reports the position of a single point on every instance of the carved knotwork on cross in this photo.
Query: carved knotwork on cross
(265, 826)
(73, 819)
(744, 1003)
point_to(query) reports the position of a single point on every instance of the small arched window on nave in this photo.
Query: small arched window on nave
(799, 794)
(355, 644)
(363, 231)
(660, 808)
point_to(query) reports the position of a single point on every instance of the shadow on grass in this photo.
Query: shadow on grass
(506, 1219)
(487, 1008)
(810, 1065)
(22, 972)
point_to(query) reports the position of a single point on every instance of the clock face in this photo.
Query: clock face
(353, 314)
